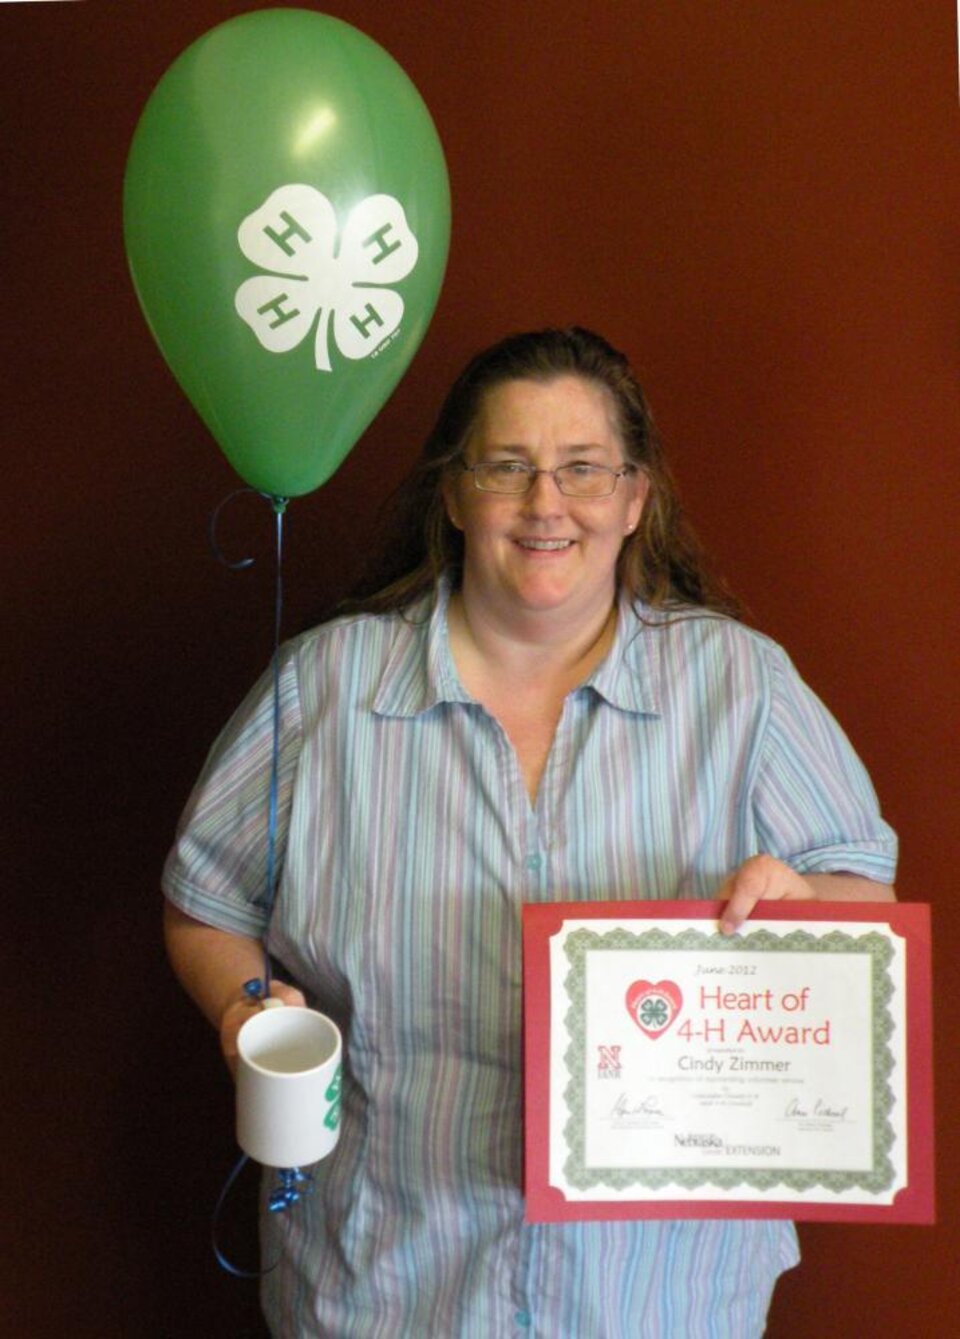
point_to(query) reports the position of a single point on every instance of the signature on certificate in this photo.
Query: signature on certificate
(819, 1109)
(635, 1110)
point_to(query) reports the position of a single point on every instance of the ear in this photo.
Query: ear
(449, 489)
(641, 487)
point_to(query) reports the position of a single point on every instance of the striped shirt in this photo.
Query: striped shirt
(408, 845)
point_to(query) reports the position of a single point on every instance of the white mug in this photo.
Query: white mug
(288, 1086)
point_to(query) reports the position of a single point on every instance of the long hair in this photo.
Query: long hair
(661, 564)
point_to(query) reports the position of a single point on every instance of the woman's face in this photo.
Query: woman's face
(543, 551)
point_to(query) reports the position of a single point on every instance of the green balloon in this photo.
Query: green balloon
(287, 222)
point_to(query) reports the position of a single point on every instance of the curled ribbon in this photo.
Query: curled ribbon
(292, 1185)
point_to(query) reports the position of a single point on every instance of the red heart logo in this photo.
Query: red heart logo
(654, 1006)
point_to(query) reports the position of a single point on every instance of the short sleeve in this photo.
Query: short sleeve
(217, 869)
(814, 806)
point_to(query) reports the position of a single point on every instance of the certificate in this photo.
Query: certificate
(674, 1072)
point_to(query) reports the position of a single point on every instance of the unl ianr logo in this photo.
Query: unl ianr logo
(608, 1062)
(293, 235)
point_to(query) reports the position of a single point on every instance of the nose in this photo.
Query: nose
(543, 498)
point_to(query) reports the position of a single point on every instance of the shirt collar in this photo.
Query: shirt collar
(628, 677)
(420, 673)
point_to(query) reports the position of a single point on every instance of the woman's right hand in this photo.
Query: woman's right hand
(244, 1007)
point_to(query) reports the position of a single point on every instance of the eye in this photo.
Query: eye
(506, 469)
(581, 469)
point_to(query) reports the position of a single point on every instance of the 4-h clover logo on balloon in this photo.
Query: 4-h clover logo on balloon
(293, 235)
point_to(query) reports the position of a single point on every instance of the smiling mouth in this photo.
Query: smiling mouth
(545, 545)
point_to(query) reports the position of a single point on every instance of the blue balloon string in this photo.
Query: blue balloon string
(222, 1260)
(279, 506)
(292, 1183)
(218, 553)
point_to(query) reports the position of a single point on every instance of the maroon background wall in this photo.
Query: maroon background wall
(758, 200)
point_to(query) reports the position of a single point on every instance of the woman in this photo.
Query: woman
(546, 699)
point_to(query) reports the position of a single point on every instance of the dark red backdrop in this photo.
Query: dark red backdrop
(759, 201)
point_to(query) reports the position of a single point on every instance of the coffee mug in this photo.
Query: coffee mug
(288, 1086)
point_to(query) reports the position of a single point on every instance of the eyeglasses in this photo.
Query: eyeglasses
(516, 476)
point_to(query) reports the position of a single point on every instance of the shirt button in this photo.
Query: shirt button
(524, 1319)
(533, 862)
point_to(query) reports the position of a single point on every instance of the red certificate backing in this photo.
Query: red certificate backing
(545, 1203)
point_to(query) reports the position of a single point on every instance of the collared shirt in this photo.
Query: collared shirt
(408, 845)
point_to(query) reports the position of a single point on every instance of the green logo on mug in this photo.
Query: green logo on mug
(332, 1119)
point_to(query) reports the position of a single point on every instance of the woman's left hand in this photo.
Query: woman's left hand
(764, 877)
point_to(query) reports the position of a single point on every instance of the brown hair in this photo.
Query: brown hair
(661, 564)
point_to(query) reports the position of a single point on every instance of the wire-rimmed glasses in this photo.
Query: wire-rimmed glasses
(578, 479)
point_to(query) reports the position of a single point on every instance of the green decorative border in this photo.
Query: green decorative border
(877, 1179)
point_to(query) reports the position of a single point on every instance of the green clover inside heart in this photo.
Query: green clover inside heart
(653, 1006)
(654, 1013)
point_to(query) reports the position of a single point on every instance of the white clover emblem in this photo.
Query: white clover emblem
(293, 236)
